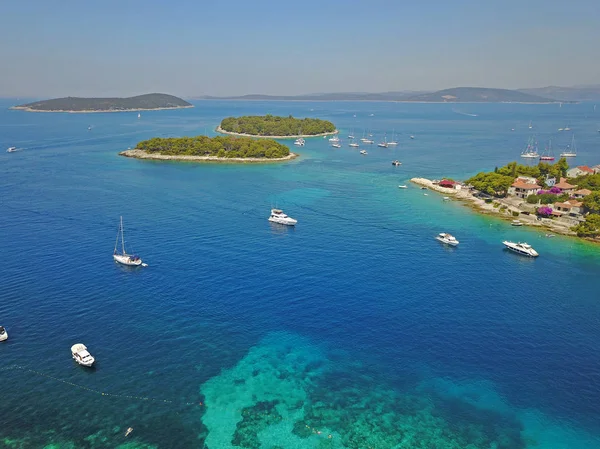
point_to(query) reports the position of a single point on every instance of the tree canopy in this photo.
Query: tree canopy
(592, 202)
(590, 182)
(491, 183)
(590, 227)
(220, 146)
(271, 125)
(539, 171)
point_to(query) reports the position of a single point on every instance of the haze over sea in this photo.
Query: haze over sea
(356, 329)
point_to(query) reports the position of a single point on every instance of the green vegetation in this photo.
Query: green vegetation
(590, 227)
(491, 183)
(591, 202)
(539, 171)
(590, 182)
(547, 198)
(220, 146)
(270, 125)
(75, 104)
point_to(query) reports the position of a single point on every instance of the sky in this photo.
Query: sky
(235, 47)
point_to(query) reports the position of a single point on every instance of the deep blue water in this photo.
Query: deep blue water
(360, 281)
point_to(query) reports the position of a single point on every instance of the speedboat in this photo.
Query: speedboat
(521, 248)
(363, 152)
(299, 142)
(81, 355)
(277, 216)
(516, 223)
(122, 257)
(412, 137)
(402, 186)
(11, 149)
(448, 239)
(396, 163)
(3, 334)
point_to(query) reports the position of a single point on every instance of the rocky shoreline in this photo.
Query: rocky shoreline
(141, 154)
(26, 109)
(222, 131)
(501, 207)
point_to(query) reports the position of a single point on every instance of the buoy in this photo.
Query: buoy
(129, 430)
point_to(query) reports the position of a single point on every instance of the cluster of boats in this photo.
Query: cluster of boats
(531, 150)
(520, 247)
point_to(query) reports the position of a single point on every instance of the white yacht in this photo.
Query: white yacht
(530, 151)
(402, 186)
(334, 139)
(448, 239)
(11, 149)
(336, 145)
(383, 144)
(81, 355)
(412, 137)
(3, 334)
(396, 163)
(277, 216)
(363, 152)
(393, 142)
(369, 141)
(139, 115)
(122, 257)
(571, 150)
(521, 248)
(353, 145)
(299, 142)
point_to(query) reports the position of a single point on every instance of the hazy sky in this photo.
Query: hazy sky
(194, 47)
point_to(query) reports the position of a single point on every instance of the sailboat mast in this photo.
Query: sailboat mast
(122, 236)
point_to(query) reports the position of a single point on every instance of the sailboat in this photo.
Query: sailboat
(122, 257)
(393, 142)
(384, 143)
(571, 150)
(364, 138)
(547, 155)
(530, 125)
(530, 151)
(353, 144)
(139, 115)
(351, 136)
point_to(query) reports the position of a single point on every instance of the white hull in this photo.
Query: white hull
(4, 336)
(530, 156)
(448, 240)
(521, 248)
(127, 260)
(568, 155)
(283, 221)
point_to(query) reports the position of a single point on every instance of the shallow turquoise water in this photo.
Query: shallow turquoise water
(356, 324)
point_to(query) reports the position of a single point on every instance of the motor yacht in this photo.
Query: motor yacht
(448, 239)
(3, 334)
(81, 355)
(396, 163)
(277, 216)
(363, 152)
(521, 248)
(299, 142)
(11, 149)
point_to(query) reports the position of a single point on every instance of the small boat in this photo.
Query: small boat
(393, 142)
(351, 136)
(516, 223)
(530, 125)
(521, 248)
(89, 128)
(81, 355)
(402, 186)
(512, 129)
(550, 235)
(3, 334)
(426, 194)
(277, 216)
(334, 139)
(11, 149)
(571, 150)
(299, 142)
(368, 141)
(448, 239)
(561, 129)
(530, 151)
(353, 145)
(363, 152)
(423, 188)
(139, 115)
(446, 198)
(336, 145)
(567, 128)
(122, 257)
(371, 115)
(384, 143)
(412, 137)
(396, 163)
(547, 155)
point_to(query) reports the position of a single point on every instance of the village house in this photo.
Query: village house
(527, 179)
(579, 171)
(579, 194)
(450, 184)
(523, 189)
(565, 186)
(571, 207)
(596, 168)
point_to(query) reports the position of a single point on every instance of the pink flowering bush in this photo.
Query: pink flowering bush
(544, 211)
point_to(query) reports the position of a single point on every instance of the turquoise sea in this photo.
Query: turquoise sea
(354, 330)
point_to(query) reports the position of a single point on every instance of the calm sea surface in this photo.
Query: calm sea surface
(356, 329)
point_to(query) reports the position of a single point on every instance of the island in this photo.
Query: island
(275, 127)
(148, 102)
(478, 95)
(211, 149)
(553, 196)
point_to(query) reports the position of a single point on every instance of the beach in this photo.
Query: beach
(141, 154)
(222, 131)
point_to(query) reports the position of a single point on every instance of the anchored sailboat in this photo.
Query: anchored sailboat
(547, 155)
(530, 151)
(122, 257)
(571, 150)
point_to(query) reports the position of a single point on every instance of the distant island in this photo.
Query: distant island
(275, 127)
(211, 149)
(454, 95)
(146, 102)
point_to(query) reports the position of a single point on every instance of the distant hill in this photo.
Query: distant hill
(76, 104)
(335, 96)
(575, 93)
(479, 95)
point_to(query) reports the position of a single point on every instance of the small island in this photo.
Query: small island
(275, 127)
(211, 149)
(148, 102)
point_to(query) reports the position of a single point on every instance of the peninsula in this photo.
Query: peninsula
(478, 95)
(553, 196)
(148, 102)
(211, 149)
(275, 127)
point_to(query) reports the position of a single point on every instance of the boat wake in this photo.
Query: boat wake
(456, 111)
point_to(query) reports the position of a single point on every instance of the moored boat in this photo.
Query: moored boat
(516, 223)
(396, 163)
(299, 142)
(363, 152)
(11, 149)
(446, 238)
(530, 151)
(521, 248)
(402, 186)
(122, 257)
(81, 355)
(336, 145)
(571, 150)
(277, 216)
(3, 334)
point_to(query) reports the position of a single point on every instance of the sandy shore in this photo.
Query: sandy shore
(141, 154)
(222, 131)
(22, 108)
(501, 207)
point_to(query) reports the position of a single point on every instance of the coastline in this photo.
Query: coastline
(498, 207)
(89, 111)
(141, 154)
(222, 131)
